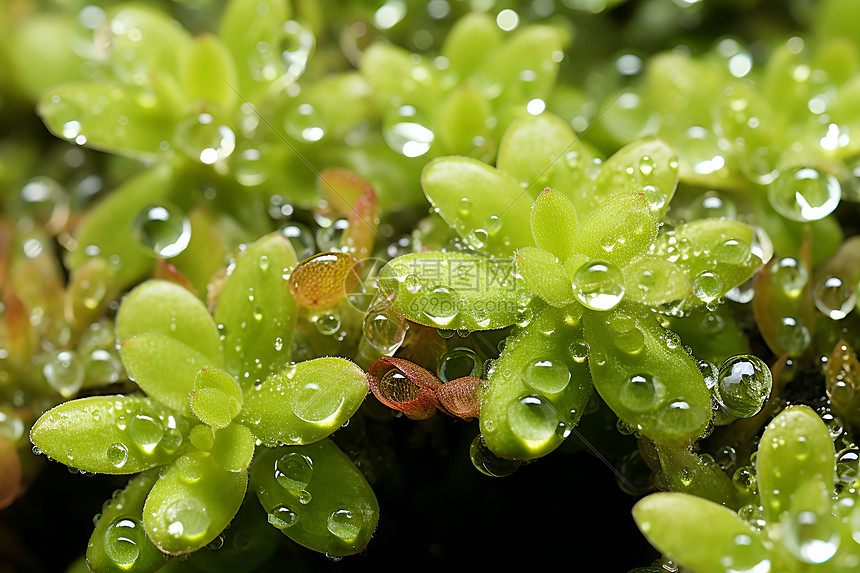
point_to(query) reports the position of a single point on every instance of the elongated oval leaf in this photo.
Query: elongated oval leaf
(554, 224)
(649, 167)
(168, 309)
(209, 73)
(652, 281)
(192, 502)
(164, 368)
(545, 276)
(110, 434)
(119, 541)
(256, 310)
(216, 398)
(469, 41)
(454, 290)
(468, 194)
(700, 534)
(645, 376)
(538, 389)
(618, 231)
(342, 512)
(233, 447)
(143, 40)
(796, 467)
(304, 402)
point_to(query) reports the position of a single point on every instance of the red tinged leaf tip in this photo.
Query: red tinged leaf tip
(168, 272)
(404, 386)
(461, 397)
(323, 280)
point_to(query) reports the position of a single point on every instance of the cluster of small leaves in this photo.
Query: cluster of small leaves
(217, 387)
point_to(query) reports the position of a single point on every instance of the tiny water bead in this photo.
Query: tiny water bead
(533, 419)
(626, 336)
(599, 285)
(282, 517)
(804, 194)
(743, 385)
(201, 138)
(123, 538)
(546, 375)
(384, 330)
(642, 392)
(488, 463)
(458, 362)
(64, 371)
(810, 537)
(117, 454)
(579, 351)
(790, 274)
(744, 479)
(344, 524)
(302, 240)
(162, 229)
(294, 471)
(834, 297)
(145, 431)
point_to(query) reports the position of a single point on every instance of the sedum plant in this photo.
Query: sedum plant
(219, 394)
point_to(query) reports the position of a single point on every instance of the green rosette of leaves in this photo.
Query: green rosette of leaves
(216, 387)
(805, 517)
(582, 290)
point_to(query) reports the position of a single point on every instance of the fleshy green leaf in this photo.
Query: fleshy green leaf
(192, 502)
(535, 150)
(645, 376)
(463, 121)
(649, 167)
(486, 207)
(304, 402)
(795, 464)
(715, 254)
(257, 311)
(454, 290)
(538, 388)
(246, 23)
(164, 368)
(469, 41)
(110, 434)
(233, 447)
(654, 281)
(108, 117)
(216, 398)
(342, 511)
(688, 472)
(554, 224)
(621, 229)
(166, 308)
(209, 73)
(544, 276)
(119, 541)
(700, 534)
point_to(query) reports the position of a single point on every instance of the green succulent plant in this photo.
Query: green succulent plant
(796, 521)
(220, 393)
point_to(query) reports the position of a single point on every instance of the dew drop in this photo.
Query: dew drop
(642, 392)
(187, 518)
(834, 297)
(487, 462)
(282, 517)
(533, 419)
(707, 286)
(793, 334)
(294, 471)
(145, 431)
(546, 375)
(598, 285)
(201, 138)
(64, 371)
(579, 351)
(458, 362)
(442, 306)
(626, 336)
(804, 194)
(162, 229)
(122, 541)
(743, 385)
(117, 454)
(344, 524)
(809, 537)
(790, 274)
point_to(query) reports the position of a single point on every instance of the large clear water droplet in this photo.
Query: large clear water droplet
(201, 138)
(64, 371)
(834, 297)
(707, 286)
(122, 541)
(533, 419)
(188, 518)
(384, 330)
(488, 463)
(408, 138)
(442, 305)
(282, 517)
(117, 454)
(145, 431)
(626, 336)
(458, 362)
(809, 537)
(293, 471)
(793, 334)
(804, 194)
(546, 375)
(743, 385)
(642, 392)
(790, 274)
(163, 229)
(344, 524)
(598, 285)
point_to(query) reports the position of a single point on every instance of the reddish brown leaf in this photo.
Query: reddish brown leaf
(342, 188)
(460, 397)
(363, 224)
(404, 386)
(324, 279)
(10, 472)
